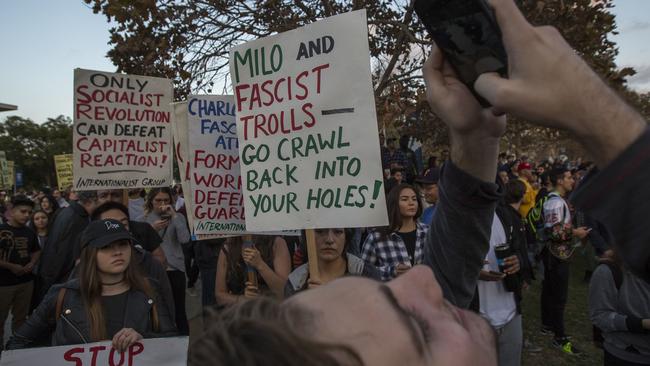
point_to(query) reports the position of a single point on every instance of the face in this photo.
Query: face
(161, 201)
(116, 215)
(40, 220)
(398, 176)
(408, 203)
(109, 195)
(430, 192)
(330, 244)
(56, 194)
(21, 214)
(45, 203)
(567, 182)
(424, 328)
(115, 258)
(73, 196)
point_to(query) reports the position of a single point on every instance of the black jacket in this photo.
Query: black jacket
(72, 327)
(58, 256)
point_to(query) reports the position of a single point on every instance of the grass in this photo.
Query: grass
(577, 323)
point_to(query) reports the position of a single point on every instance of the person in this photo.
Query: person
(60, 200)
(405, 159)
(19, 253)
(525, 176)
(334, 261)
(136, 202)
(503, 176)
(548, 84)
(150, 265)
(49, 205)
(619, 307)
(429, 186)
(207, 255)
(62, 247)
(39, 223)
(268, 257)
(398, 247)
(110, 300)
(173, 229)
(145, 235)
(559, 238)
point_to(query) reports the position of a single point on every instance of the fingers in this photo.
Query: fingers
(432, 72)
(494, 89)
(512, 22)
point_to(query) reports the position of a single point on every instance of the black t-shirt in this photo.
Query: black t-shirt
(114, 308)
(17, 244)
(145, 235)
(409, 240)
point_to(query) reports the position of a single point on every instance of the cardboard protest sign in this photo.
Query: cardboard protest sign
(309, 145)
(11, 172)
(63, 167)
(147, 352)
(4, 171)
(216, 197)
(122, 131)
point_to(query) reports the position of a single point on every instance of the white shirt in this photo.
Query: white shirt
(497, 304)
(556, 210)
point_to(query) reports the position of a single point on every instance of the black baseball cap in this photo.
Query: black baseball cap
(430, 177)
(102, 233)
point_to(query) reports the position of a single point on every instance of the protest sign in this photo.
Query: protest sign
(63, 167)
(122, 131)
(216, 197)
(146, 352)
(309, 145)
(4, 171)
(11, 172)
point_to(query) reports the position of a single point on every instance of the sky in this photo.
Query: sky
(42, 42)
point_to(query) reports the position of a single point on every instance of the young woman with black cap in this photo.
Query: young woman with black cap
(110, 300)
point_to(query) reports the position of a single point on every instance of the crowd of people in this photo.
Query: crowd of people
(444, 281)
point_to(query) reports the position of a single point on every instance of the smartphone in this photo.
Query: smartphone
(467, 33)
(497, 274)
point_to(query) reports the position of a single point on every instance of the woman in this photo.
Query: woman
(267, 257)
(172, 227)
(334, 262)
(49, 205)
(619, 307)
(110, 300)
(39, 223)
(398, 247)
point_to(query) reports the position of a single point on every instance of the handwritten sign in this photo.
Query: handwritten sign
(147, 352)
(63, 167)
(216, 197)
(5, 181)
(309, 145)
(122, 131)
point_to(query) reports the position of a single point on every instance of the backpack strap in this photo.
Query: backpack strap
(59, 303)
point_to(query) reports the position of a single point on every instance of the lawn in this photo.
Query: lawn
(576, 318)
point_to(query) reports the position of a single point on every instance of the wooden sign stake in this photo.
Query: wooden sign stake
(312, 255)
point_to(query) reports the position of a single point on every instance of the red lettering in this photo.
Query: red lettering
(69, 355)
(135, 349)
(307, 109)
(111, 358)
(267, 92)
(301, 85)
(318, 69)
(83, 109)
(240, 98)
(87, 99)
(94, 351)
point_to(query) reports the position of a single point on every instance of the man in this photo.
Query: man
(396, 178)
(62, 248)
(404, 158)
(146, 236)
(136, 202)
(548, 84)
(385, 154)
(60, 200)
(525, 175)
(151, 267)
(560, 237)
(429, 186)
(19, 253)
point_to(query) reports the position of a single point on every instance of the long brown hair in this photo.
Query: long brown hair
(264, 331)
(91, 290)
(395, 221)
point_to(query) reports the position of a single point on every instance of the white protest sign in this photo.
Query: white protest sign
(217, 200)
(306, 122)
(147, 352)
(122, 134)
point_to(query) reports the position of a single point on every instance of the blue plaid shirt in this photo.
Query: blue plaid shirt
(386, 254)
